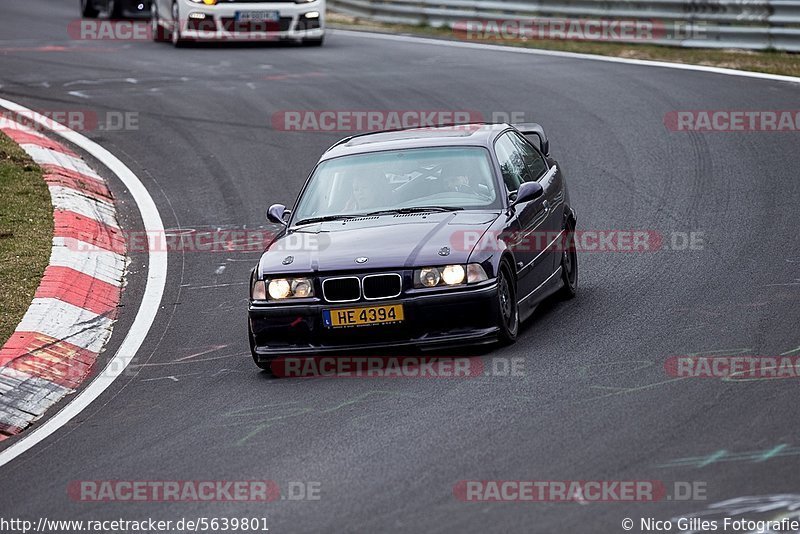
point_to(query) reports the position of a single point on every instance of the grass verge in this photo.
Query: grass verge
(26, 233)
(772, 62)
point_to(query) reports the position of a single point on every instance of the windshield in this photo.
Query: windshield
(450, 177)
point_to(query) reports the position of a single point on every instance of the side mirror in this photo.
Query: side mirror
(277, 213)
(528, 191)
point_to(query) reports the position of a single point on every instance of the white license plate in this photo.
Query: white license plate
(257, 16)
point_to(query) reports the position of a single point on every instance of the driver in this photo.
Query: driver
(457, 180)
(368, 193)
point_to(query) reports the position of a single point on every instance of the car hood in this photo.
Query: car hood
(388, 242)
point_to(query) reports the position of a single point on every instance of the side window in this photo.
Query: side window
(534, 161)
(511, 163)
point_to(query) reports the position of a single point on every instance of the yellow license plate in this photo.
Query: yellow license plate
(363, 316)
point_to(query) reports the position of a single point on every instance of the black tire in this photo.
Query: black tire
(569, 264)
(159, 34)
(264, 366)
(88, 10)
(175, 32)
(507, 307)
(115, 9)
(313, 42)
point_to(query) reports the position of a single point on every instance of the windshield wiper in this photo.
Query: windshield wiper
(326, 218)
(416, 209)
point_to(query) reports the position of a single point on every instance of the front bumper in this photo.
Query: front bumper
(432, 321)
(220, 21)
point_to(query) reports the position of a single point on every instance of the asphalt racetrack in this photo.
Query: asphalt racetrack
(594, 401)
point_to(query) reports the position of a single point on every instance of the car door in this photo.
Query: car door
(528, 218)
(553, 195)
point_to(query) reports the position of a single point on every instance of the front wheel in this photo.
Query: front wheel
(569, 264)
(88, 10)
(177, 39)
(508, 308)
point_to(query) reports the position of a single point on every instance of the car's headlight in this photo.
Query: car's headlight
(258, 291)
(449, 275)
(206, 2)
(284, 288)
(428, 277)
(303, 1)
(279, 289)
(301, 287)
(453, 275)
(475, 273)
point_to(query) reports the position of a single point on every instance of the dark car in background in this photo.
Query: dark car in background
(429, 238)
(116, 9)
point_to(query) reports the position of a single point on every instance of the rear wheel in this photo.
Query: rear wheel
(569, 264)
(88, 10)
(158, 31)
(508, 307)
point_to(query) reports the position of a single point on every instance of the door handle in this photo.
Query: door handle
(546, 205)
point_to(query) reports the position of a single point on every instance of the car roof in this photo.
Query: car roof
(472, 134)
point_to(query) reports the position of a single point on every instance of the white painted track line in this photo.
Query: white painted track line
(573, 55)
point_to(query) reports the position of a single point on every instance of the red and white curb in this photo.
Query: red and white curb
(56, 344)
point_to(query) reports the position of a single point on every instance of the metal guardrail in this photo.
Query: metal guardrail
(750, 24)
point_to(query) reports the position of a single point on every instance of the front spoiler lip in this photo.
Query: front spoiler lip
(238, 37)
(478, 337)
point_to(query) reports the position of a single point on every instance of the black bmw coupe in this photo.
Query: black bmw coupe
(416, 238)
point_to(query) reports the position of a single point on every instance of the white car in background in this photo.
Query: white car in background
(239, 20)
